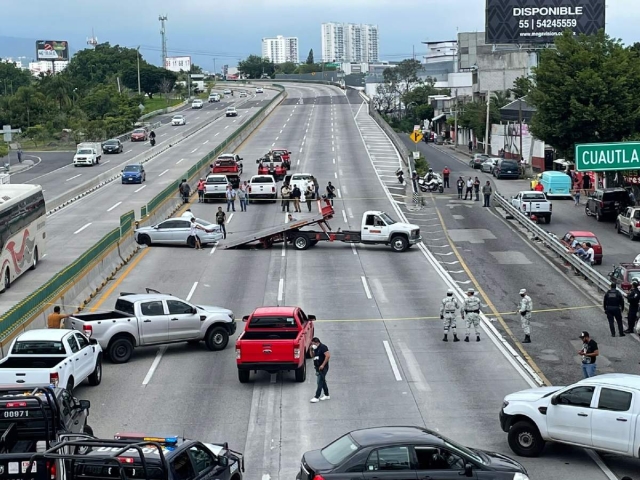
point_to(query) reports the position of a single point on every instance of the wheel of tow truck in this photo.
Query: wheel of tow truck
(399, 243)
(217, 338)
(313, 243)
(301, 373)
(525, 439)
(301, 242)
(244, 375)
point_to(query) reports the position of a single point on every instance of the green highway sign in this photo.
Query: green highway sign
(599, 157)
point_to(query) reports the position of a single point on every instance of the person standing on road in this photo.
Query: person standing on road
(331, 192)
(486, 192)
(576, 196)
(321, 357)
(613, 304)
(201, 187)
(245, 187)
(242, 196)
(19, 155)
(231, 198)
(633, 297)
(448, 309)
(588, 353)
(296, 194)
(445, 176)
(526, 305)
(309, 194)
(285, 192)
(476, 188)
(316, 186)
(185, 190)
(471, 308)
(469, 190)
(221, 218)
(460, 185)
(56, 319)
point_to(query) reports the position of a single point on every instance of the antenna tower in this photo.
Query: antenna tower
(163, 35)
(92, 41)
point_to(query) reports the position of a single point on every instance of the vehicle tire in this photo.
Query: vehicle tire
(34, 263)
(87, 430)
(301, 242)
(618, 228)
(441, 189)
(525, 439)
(244, 375)
(587, 212)
(96, 377)
(217, 338)
(191, 242)
(120, 350)
(301, 373)
(70, 385)
(7, 279)
(632, 237)
(313, 243)
(547, 219)
(399, 243)
(144, 240)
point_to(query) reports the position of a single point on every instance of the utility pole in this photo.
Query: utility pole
(138, 49)
(163, 32)
(486, 133)
(455, 121)
(214, 68)
(520, 121)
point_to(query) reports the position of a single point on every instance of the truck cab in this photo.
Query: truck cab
(227, 163)
(378, 227)
(87, 153)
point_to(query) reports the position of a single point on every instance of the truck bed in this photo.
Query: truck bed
(275, 335)
(18, 363)
(95, 317)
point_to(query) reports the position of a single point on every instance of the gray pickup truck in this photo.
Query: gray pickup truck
(154, 318)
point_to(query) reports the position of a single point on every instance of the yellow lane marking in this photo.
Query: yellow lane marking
(490, 304)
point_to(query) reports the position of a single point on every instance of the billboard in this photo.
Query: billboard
(52, 50)
(539, 21)
(175, 64)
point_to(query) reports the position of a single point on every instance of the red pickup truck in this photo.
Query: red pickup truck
(275, 339)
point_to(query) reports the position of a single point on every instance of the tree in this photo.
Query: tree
(58, 87)
(585, 92)
(4, 149)
(407, 74)
(474, 114)
(310, 60)
(12, 78)
(521, 87)
(165, 87)
(35, 134)
(254, 66)
(286, 68)
(195, 68)
(385, 99)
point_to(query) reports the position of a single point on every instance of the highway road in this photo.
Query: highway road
(57, 174)
(75, 228)
(389, 365)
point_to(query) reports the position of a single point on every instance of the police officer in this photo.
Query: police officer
(633, 297)
(613, 304)
(448, 310)
(471, 308)
(526, 305)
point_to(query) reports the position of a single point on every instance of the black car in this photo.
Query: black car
(401, 453)
(112, 146)
(606, 203)
(506, 168)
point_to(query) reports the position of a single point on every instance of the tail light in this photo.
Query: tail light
(524, 207)
(273, 189)
(15, 404)
(87, 330)
(125, 459)
(318, 477)
(625, 286)
(249, 189)
(54, 379)
(296, 351)
(637, 224)
(51, 470)
(238, 354)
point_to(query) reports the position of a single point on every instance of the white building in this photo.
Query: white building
(350, 42)
(438, 52)
(280, 49)
(36, 68)
(17, 63)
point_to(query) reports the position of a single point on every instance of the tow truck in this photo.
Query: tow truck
(230, 165)
(135, 456)
(377, 228)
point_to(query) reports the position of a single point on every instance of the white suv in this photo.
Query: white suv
(232, 112)
(197, 103)
(259, 90)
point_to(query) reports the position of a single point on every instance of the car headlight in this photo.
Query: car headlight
(232, 316)
(520, 476)
(505, 404)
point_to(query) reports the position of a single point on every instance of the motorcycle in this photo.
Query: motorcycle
(435, 184)
(400, 176)
(152, 141)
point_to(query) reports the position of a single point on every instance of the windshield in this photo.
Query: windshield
(132, 168)
(272, 322)
(336, 452)
(262, 180)
(300, 177)
(111, 142)
(634, 276)
(85, 151)
(140, 130)
(231, 109)
(38, 348)
(178, 117)
(591, 240)
(464, 451)
(387, 219)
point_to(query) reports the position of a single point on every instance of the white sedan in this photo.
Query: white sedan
(259, 90)
(227, 91)
(197, 103)
(176, 231)
(178, 120)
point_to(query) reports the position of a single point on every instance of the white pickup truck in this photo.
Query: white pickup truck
(55, 357)
(88, 153)
(215, 187)
(262, 187)
(154, 319)
(533, 203)
(601, 412)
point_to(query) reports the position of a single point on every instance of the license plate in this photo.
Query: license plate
(15, 413)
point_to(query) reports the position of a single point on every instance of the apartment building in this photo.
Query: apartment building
(350, 42)
(280, 49)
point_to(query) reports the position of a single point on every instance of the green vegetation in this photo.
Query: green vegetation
(255, 66)
(158, 103)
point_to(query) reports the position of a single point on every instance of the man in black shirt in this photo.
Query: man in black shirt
(633, 297)
(588, 353)
(613, 304)
(321, 357)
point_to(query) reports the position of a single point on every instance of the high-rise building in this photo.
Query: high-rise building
(350, 42)
(280, 49)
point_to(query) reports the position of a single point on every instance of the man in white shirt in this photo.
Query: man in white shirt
(469, 190)
(590, 255)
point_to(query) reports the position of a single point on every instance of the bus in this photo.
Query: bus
(23, 231)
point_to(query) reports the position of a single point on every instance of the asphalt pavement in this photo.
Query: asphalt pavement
(75, 228)
(377, 311)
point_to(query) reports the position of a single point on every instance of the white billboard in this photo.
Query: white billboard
(175, 64)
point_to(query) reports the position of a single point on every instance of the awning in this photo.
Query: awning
(563, 162)
(434, 119)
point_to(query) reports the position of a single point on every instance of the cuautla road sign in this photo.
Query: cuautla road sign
(601, 157)
(415, 136)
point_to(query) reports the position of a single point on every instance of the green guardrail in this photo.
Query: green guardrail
(47, 293)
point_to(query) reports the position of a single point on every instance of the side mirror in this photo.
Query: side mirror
(93, 341)
(194, 310)
(468, 470)
(121, 171)
(289, 152)
(155, 227)
(245, 318)
(258, 161)
(312, 318)
(554, 400)
(240, 158)
(85, 404)
(223, 461)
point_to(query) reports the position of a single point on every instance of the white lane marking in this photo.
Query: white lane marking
(163, 134)
(285, 123)
(353, 247)
(273, 144)
(280, 131)
(365, 285)
(344, 215)
(136, 191)
(229, 219)
(277, 138)
(284, 249)
(76, 176)
(333, 149)
(192, 291)
(178, 162)
(392, 361)
(286, 218)
(205, 142)
(217, 134)
(194, 150)
(104, 163)
(128, 151)
(334, 161)
(226, 127)
(301, 150)
(81, 229)
(196, 118)
(413, 366)
(298, 162)
(163, 172)
(335, 174)
(115, 206)
(344, 189)
(349, 212)
(340, 172)
(154, 365)
(280, 289)
(213, 249)
(339, 194)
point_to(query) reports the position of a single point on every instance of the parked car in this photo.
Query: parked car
(216, 187)
(555, 184)
(624, 274)
(506, 168)
(533, 203)
(178, 120)
(112, 146)
(262, 187)
(477, 160)
(139, 135)
(604, 203)
(175, 231)
(629, 222)
(134, 173)
(585, 237)
(405, 452)
(488, 165)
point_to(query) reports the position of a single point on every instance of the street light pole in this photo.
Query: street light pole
(455, 121)
(486, 132)
(138, 58)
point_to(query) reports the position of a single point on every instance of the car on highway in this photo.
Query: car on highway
(227, 163)
(262, 187)
(405, 452)
(629, 222)
(214, 97)
(259, 90)
(112, 146)
(488, 165)
(178, 120)
(477, 160)
(57, 357)
(273, 166)
(604, 203)
(243, 94)
(197, 103)
(227, 91)
(231, 112)
(283, 153)
(88, 153)
(139, 135)
(506, 168)
(176, 231)
(624, 274)
(581, 237)
(152, 318)
(134, 173)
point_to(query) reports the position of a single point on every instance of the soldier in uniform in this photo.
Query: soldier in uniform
(526, 305)
(471, 309)
(448, 310)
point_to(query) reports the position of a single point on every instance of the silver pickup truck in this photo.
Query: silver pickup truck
(533, 203)
(154, 319)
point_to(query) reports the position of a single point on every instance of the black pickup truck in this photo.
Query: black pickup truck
(31, 420)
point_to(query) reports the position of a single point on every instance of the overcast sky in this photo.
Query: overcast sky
(228, 31)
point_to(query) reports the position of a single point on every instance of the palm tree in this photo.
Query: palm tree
(58, 87)
(500, 99)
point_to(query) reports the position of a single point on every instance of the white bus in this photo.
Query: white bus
(22, 230)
